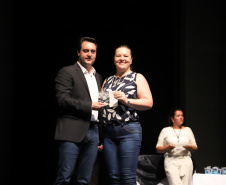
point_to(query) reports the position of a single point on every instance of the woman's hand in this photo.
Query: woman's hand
(170, 147)
(191, 148)
(120, 96)
(164, 149)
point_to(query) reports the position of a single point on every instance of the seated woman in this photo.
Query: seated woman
(177, 142)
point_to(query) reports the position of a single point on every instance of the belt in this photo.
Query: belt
(115, 123)
(178, 156)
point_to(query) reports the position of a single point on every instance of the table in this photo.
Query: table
(208, 179)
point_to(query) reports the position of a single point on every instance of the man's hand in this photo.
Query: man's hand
(97, 105)
(100, 148)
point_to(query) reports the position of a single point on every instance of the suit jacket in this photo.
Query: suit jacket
(74, 103)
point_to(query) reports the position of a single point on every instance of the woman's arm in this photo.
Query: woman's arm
(191, 148)
(102, 88)
(164, 149)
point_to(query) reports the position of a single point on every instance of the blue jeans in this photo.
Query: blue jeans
(79, 156)
(121, 150)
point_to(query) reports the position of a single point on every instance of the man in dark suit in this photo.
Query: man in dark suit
(77, 89)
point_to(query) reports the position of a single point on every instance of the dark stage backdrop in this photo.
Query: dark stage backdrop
(203, 55)
(44, 40)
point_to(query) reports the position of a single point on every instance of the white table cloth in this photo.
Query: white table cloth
(208, 179)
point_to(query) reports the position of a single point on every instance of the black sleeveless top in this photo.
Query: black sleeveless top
(121, 113)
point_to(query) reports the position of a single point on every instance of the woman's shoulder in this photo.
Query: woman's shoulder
(140, 77)
(165, 129)
(132, 73)
(188, 129)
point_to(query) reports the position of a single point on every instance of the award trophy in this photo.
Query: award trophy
(107, 97)
(103, 97)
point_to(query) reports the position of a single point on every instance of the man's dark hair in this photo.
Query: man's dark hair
(89, 39)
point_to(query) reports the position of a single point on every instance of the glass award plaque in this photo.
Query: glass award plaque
(107, 97)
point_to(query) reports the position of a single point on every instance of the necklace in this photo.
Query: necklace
(178, 136)
(117, 80)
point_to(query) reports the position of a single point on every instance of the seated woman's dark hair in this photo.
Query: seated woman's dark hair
(171, 115)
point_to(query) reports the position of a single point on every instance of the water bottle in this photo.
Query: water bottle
(216, 170)
(223, 171)
(208, 170)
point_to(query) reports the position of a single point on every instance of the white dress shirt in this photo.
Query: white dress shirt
(93, 88)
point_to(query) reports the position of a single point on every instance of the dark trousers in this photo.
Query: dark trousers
(78, 156)
(121, 150)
